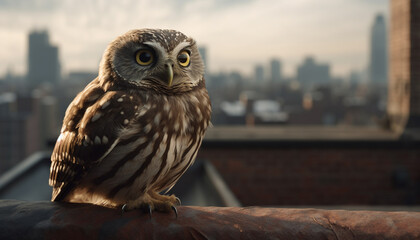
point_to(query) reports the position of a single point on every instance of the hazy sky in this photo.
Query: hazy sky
(237, 33)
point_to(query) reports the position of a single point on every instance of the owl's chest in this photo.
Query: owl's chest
(184, 115)
(159, 143)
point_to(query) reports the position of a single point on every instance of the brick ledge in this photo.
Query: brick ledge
(46, 220)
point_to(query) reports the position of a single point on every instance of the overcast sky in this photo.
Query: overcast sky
(237, 33)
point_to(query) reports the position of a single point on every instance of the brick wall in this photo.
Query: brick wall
(415, 59)
(325, 174)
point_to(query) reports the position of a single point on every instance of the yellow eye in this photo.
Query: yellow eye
(184, 59)
(144, 57)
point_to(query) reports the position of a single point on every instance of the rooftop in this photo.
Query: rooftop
(306, 133)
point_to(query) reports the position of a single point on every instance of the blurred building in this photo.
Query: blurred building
(27, 122)
(404, 75)
(378, 62)
(275, 68)
(320, 106)
(310, 73)
(203, 53)
(43, 62)
(355, 78)
(81, 78)
(250, 110)
(259, 73)
(18, 131)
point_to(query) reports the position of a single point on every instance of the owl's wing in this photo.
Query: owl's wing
(89, 133)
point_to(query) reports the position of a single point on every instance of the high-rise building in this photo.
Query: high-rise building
(27, 123)
(18, 129)
(43, 63)
(378, 62)
(311, 73)
(275, 68)
(259, 73)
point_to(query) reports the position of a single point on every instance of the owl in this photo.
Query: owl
(135, 129)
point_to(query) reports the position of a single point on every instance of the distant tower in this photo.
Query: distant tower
(311, 73)
(203, 53)
(378, 65)
(43, 63)
(259, 74)
(275, 68)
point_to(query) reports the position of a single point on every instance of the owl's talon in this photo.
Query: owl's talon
(123, 209)
(178, 201)
(175, 211)
(149, 208)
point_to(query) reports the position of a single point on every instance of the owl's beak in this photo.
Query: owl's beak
(169, 73)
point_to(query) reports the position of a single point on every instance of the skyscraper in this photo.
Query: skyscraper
(378, 64)
(43, 63)
(275, 68)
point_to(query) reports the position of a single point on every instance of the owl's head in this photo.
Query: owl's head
(163, 60)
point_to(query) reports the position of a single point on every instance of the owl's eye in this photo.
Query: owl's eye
(144, 57)
(184, 59)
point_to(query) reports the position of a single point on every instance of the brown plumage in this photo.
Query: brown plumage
(135, 129)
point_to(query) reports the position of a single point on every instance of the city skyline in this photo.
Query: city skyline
(235, 41)
(311, 99)
(41, 48)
